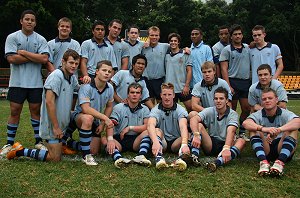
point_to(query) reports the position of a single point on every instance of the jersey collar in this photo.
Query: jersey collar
(93, 84)
(62, 40)
(99, 45)
(134, 109)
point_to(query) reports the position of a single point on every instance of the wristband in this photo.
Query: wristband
(110, 138)
(196, 133)
(184, 141)
(131, 128)
(226, 147)
(259, 128)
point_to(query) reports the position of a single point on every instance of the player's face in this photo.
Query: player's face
(196, 37)
(220, 101)
(134, 95)
(154, 37)
(237, 37)
(64, 29)
(70, 66)
(264, 77)
(174, 43)
(208, 75)
(167, 97)
(99, 32)
(133, 34)
(28, 23)
(258, 36)
(139, 66)
(269, 100)
(115, 29)
(224, 35)
(104, 73)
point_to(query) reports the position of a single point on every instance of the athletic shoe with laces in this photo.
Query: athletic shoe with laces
(195, 160)
(142, 160)
(40, 146)
(264, 168)
(89, 160)
(244, 136)
(161, 163)
(277, 168)
(179, 164)
(122, 162)
(211, 166)
(67, 151)
(13, 152)
(5, 149)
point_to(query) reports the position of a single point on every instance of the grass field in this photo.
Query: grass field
(71, 178)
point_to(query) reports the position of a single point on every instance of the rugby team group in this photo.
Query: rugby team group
(129, 93)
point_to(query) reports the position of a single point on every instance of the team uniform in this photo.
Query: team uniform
(255, 92)
(133, 51)
(199, 54)
(121, 51)
(217, 127)
(95, 52)
(63, 87)
(206, 92)
(126, 116)
(176, 65)
(123, 79)
(155, 70)
(168, 121)
(267, 55)
(238, 69)
(217, 49)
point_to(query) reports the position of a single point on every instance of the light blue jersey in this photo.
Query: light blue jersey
(156, 61)
(63, 88)
(217, 49)
(255, 91)
(217, 127)
(206, 92)
(125, 116)
(168, 120)
(133, 51)
(176, 65)
(95, 52)
(199, 54)
(26, 75)
(267, 55)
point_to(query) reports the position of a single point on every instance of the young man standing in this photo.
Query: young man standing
(179, 71)
(264, 73)
(122, 79)
(219, 46)
(26, 51)
(200, 53)
(218, 139)
(120, 48)
(55, 112)
(94, 50)
(273, 134)
(130, 124)
(167, 125)
(235, 69)
(264, 53)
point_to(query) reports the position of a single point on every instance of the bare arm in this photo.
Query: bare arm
(224, 71)
(183, 130)
(231, 130)
(186, 89)
(196, 104)
(83, 68)
(124, 63)
(279, 69)
(33, 57)
(156, 148)
(149, 104)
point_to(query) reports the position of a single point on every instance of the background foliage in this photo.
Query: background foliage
(281, 19)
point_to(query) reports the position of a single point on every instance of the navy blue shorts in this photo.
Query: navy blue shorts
(154, 87)
(241, 87)
(217, 146)
(182, 97)
(127, 142)
(273, 155)
(19, 95)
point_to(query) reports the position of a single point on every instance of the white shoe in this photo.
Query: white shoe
(122, 162)
(5, 149)
(41, 146)
(179, 165)
(277, 168)
(264, 168)
(161, 163)
(142, 160)
(89, 160)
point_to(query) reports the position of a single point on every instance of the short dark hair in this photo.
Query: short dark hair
(71, 53)
(267, 90)
(103, 62)
(134, 26)
(171, 35)
(198, 29)
(115, 20)
(98, 23)
(235, 27)
(134, 85)
(264, 66)
(222, 90)
(222, 27)
(27, 12)
(259, 27)
(139, 56)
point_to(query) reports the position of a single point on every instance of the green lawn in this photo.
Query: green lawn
(71, 178)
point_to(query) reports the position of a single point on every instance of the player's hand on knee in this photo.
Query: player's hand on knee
(111, 146)
(196, 141)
